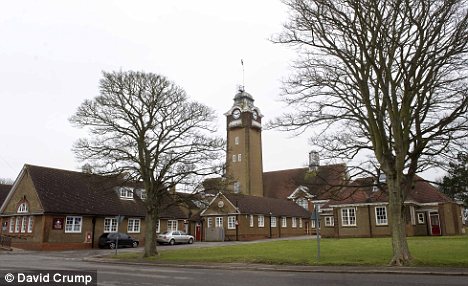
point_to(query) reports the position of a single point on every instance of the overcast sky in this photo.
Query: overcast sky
(52, 54)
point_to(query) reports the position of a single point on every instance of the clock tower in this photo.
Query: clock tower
(244, 168)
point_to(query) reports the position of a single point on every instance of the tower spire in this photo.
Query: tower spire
(242, 87)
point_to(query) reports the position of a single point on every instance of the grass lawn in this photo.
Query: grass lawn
(426, 251)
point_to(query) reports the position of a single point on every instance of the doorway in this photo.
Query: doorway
(435, 224)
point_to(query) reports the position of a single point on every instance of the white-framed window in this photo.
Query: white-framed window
(348, 217)
(158, 226)
(172, 225)
(300, 222)
(143, 194)
(18, 224)
(12, 225)
(239, 157)
(261, 221)
(23, 208)
(236, 140)
(381, 216)
(209, 222)
(329, 221)
(421, 218)
(24, 225)
(234, 158)
(30, 224)
(251, 221)
(126, 193)
(273, 221)
(73, 224)
(284, 221)
(293, 222)
(110, 224)
(219, 221)
(303, 203)
(133, 225)
(231, 222)
(312, 223)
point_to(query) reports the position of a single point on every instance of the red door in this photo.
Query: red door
(435, 224)
(198, 233)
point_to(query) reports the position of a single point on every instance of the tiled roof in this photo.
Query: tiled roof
(360, 191)
(4, 190)
(62, 191)
(263, 205)
(323, 183)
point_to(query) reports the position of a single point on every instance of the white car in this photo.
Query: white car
(173, 237)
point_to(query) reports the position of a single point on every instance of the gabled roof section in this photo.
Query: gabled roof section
(4, 190)
(323, 183)
(70, 192)
(361, 191)
(262, 205)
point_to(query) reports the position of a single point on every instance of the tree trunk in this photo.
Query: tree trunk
(150, 235)
(397, 219)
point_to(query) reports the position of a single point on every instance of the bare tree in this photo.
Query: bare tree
(387, 76)
(144, 126)
(6, 181)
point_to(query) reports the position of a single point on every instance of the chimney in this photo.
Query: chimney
(314, 160)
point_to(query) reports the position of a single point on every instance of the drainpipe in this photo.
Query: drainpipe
(94, 230)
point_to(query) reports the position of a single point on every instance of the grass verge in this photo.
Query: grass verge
(426, 251)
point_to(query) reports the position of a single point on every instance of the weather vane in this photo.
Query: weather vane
(242, 87)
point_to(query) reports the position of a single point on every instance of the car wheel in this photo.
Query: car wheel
(190, 241)
(171, 242)
(112, 245)
(135, 244)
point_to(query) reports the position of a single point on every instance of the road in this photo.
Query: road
(121, 274)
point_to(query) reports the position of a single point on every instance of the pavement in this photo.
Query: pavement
(102, 256)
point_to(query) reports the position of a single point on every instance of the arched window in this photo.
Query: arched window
(23, 208)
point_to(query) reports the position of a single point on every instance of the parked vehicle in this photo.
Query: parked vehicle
(173, 237)
(109, 240)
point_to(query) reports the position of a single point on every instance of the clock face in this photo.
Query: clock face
(236, 113)
(255, 114)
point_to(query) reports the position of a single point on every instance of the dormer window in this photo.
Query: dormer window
(126, 193)
(143, 194)
(303, 203)
(23, 208)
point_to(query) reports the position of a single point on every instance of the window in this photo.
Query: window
(73, 224)
(158, 226)
(421, 218)
(239, 157)
(251, 221)
(133, 225)
(303, 203)
(381, 216)
(126, 193)
(24, 225)
(18, 224)
(219, 221)
(312, 223)
(273, 221)
(261, 221)
(30, 224)
(110, 224)
(12, 225)
(209, 222)
(172, 225)
(294, 222)
(143, 194)
(23, 208)
(236, 140)
(234, 158)
(231, 222)
(284, 222)
(300, 222)
(348, 217)
(329, 221)
(318, 207)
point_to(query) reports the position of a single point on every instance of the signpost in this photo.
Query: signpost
(316, 217)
